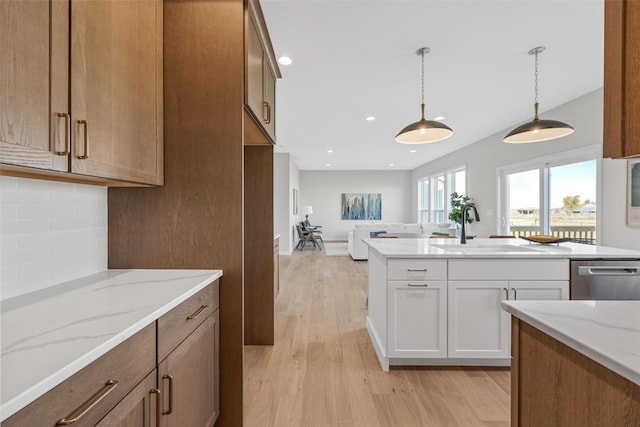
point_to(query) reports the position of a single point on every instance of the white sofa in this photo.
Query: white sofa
(359, 251)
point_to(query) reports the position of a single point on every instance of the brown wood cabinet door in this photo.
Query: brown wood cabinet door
(138, 408)
(621, 79)
(254, 89)
(34, 83)
(269, 115)
(190, 375)
(116, 89)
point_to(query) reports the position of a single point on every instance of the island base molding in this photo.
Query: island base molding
(387, 362)
(554, 385)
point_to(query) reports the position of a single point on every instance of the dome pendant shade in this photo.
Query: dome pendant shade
(538, 130)
(423, 131)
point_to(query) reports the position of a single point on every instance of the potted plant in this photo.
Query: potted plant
(455, 214)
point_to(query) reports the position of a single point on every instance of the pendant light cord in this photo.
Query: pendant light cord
(536, 77)
(536, 86)
(422, 90)
(422, 78)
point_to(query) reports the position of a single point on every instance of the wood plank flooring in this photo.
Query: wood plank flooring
(322, 370)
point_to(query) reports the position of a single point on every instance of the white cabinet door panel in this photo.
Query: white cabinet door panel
(417, 319)
(547, 290)
(478, 327)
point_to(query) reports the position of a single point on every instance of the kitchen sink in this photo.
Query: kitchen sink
(471, 248)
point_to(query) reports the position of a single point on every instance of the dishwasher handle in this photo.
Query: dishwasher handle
(592, 270)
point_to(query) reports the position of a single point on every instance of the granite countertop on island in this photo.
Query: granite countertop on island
(491, 248)
(607, 332)
(51, 334)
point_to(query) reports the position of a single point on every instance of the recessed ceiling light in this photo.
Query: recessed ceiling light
(412, 151)
(284, 60)
(370, 118)
(329, 151)
(391, 164)
(439, 118)
(327, 164)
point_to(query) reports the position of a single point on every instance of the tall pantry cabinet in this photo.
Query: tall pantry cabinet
(197, 219)
(621, 79)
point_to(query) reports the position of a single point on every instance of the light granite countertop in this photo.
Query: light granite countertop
(49, 335)
(607, 332)
(490, 248)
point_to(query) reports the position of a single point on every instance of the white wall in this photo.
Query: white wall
(483, 158)
(50, 232)
(286, 177)
(615, 233)
(323, 189)
(281, 210)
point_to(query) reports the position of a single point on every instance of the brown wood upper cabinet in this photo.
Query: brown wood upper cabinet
(261, 71)
(107, 123)
(621, 79)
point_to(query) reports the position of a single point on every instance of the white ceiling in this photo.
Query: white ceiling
(352, 59)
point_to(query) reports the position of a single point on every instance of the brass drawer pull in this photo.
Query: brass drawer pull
(170, 410)
(158, 405)
(506, 292)
(413, 270)
(418, 286)
(266, 105)
(89, 404)
(66, 135)
(86, 139)
(198, 312)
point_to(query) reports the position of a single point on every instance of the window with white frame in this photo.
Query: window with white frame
(434, 192)
(556, 195)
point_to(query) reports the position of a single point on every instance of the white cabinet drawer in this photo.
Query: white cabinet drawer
(416, 269)
(509, 269)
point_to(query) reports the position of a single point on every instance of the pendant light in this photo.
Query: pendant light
(423, 131)
(538, 130)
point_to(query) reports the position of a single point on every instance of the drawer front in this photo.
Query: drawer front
(128, 364)
(509, 269)
(416, 269)
(177, 324)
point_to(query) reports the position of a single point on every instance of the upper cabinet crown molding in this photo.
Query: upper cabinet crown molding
(621, 79)
(85, 91)
(261, 72)
(255, 13)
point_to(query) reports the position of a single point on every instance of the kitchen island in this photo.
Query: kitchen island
(575, 363)
(50, 335)
(437, 302)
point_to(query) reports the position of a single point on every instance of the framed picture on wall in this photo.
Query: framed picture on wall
(633, 193)
(295, 201)
(361, 206)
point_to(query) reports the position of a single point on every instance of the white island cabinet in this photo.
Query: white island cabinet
(417, 303)
(478, 327)
(436, 302)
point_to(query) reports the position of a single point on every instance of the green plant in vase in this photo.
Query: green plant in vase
(456, 200)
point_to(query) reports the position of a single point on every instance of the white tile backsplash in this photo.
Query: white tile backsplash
(50, 232)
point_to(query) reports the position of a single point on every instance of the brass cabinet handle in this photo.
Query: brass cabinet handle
(66, 135)
(86, 139)
(515, 293)
(418, 286)
(158, 405)
(198, 312)
(413, 270)
(506, 292)
(266, 105)
(89, 404)
(170, 410)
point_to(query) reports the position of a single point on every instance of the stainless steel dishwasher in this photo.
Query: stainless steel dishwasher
(605, 279)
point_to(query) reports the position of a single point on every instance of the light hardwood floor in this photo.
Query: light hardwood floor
(322, 370)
